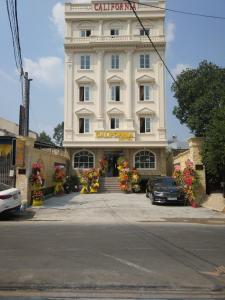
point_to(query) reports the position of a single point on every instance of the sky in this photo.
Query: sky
(190, 40)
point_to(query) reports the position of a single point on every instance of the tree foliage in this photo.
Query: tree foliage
(213, 150)
(44, 137)
(200, 93)
(59, 134)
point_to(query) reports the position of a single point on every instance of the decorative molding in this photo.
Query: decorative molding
(114, 78)
(115, 111)
(84, 111)
(145, 111)
(145, 78)
(84, 79)
(86, 25)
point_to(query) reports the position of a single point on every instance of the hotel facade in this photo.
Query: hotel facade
(114, 86)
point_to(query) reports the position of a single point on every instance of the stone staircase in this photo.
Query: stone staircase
(109, 185)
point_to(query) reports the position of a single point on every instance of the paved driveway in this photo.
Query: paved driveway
(119, 208)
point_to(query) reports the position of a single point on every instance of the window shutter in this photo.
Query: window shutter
(81, 125)
(88, 62)
(147, 125)
(117, 93)
(87, 93)
(142, 125)
(82, 63)
(141, 92)
(112, 123)
(81, 93)
(147, 61)
(87, 125)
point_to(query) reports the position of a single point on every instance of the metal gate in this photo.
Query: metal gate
(7, 160)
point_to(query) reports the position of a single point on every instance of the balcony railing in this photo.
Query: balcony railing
(113, 39)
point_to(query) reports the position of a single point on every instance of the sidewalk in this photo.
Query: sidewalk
(117, 208)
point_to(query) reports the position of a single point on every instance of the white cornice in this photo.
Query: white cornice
(145, 78)
(84, 79)
(114, 111)
(84, 111)
(114, 78)
(145, 111)
(110, 144)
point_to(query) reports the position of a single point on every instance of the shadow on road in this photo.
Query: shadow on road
(16, 215)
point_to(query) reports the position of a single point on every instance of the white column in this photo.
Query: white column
(100, 28)
(129, 102)
(161, 100)
(129, 28)
(68, 112)
(100, 116)
(68, 30)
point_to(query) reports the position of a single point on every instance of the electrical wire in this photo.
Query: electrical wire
(14, 28)
(180, 11)
(153, 45)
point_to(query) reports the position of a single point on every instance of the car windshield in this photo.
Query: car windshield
(164, 182)
(4, 187)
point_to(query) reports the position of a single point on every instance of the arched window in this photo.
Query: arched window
(83, 160)
(144, 160)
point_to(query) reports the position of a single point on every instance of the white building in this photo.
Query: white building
(114, 85)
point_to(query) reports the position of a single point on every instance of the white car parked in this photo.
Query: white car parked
(10, 197)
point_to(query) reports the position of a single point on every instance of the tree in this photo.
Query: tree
(213, 149)
(200, 93)
(59, 134)
(44, 137)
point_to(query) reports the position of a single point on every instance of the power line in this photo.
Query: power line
(180, 11)
(14, 28)
(153, 45)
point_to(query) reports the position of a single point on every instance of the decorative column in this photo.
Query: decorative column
(100, 117)
(161, 101)
(101, 28)
(129, 102)
(129, 29)
(68, 112)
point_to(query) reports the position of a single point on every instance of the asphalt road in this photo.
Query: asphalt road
(111, 260)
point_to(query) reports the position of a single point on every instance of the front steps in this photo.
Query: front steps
(109, 185)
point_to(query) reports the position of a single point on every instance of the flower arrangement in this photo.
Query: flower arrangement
(89, 181)
(189, 179)
(103, 166)
(37, 181)
(135, 180)
(178, 175)
(124, 174)
(191, 183)
(58, 178)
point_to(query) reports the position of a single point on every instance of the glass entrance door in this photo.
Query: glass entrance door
(112, 157)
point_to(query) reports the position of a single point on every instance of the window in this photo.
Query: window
(144, 61)
(145, 125)
(115, 93)
(143, 32)
(115, 63)
(144, 92)
(114, 32)
(83, 160)
(115, 123)
(85, 33)
(145, 160)
(84, 94)
(85, 62)
(84, 125)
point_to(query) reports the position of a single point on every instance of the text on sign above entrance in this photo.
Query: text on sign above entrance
(121, 135)
(113, 6)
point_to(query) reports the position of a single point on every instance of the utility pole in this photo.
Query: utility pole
(24, 109)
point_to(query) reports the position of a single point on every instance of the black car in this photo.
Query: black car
(163, 189)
